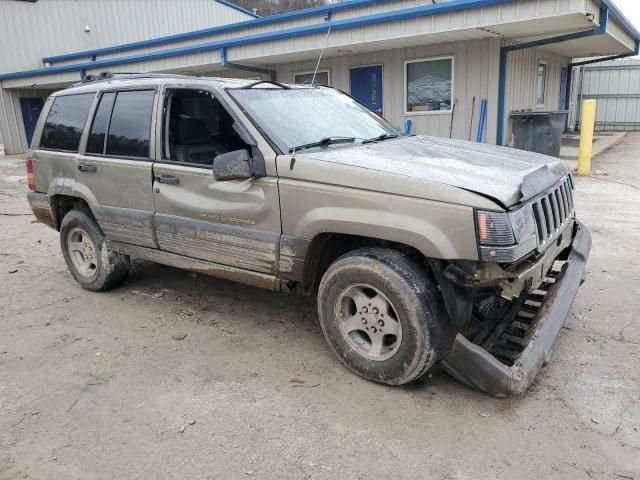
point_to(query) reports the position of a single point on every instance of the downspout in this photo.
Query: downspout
(504, 51)
(226, 64)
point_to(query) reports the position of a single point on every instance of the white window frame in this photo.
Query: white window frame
(310, 72)
(453, 82)
(546, 83)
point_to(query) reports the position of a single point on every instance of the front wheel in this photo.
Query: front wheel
(88, 255)
(382, 316)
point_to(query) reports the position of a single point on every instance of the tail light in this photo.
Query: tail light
(30, 180)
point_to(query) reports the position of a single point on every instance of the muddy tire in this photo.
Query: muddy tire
(382, 316)
(88, 255)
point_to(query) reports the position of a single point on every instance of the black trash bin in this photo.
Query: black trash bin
(538, 132)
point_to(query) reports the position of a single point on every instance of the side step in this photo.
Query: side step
(217, 270)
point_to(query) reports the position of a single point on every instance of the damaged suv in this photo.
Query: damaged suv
(420, 250)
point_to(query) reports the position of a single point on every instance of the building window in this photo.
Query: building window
(541, 84)
(304, 78)
(429, 85)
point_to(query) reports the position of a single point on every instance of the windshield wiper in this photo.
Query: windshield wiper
(384, 136)
(323, 143)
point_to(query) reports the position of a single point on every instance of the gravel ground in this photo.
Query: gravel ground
(175, 375)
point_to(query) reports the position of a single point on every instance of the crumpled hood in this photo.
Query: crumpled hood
(506, 175)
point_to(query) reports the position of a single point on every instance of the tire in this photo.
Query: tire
(88, 255)
(417, 328)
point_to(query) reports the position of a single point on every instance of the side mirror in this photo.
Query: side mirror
(234, 165)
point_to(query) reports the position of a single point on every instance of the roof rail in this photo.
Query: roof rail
(106, 76)
(261, 82)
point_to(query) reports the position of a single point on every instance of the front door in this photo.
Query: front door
(366, 86)
(234, 223)
(114, 171)
(31, 108)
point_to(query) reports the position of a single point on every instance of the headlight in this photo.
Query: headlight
(494, 228)
(506, 237)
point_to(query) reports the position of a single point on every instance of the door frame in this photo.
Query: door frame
(35, 123)
(381, 65)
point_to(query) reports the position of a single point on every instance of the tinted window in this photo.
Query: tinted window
(131, 124)
(100, 125)
(66, 119)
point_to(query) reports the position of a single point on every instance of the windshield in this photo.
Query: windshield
(302, 116)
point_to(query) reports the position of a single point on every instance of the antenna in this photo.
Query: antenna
(313, 80)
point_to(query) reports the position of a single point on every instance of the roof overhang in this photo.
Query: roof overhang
(447, 21)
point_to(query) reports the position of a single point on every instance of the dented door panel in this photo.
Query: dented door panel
(234, 223)
(128, 216)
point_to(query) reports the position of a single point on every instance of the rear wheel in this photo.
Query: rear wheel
(382, 316)
(88, 255)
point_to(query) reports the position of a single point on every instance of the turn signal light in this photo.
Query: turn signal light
(30, 180)
(494, 228)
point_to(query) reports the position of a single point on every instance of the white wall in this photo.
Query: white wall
(12, 132)
(521, 83)
(30, 31)
(475, 75)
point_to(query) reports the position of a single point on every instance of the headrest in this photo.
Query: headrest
(191, 131)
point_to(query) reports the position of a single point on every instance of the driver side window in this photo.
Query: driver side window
(197, 128)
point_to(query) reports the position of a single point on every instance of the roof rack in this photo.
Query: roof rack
(106, 76)
(261, 82)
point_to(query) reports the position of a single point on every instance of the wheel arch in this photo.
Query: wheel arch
(61, 204)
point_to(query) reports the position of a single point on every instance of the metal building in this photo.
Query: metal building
(616, 86)
(431, 63)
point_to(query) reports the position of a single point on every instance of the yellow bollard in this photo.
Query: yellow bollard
(586, 137)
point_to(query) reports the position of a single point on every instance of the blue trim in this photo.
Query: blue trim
(281, 17)
(483, 119)
(236, 7)
(616, 14)
(502, 79)
(373, 19)
(225, 63)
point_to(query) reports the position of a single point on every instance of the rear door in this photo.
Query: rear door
(114, 169)
(234, 223)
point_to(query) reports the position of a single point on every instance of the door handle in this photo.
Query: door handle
(86, 167)
(167, 179)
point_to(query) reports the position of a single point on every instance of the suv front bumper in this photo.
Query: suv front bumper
(479, 369)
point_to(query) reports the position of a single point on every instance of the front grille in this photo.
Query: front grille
(553, 211)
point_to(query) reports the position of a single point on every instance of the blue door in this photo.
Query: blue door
(366, 86)
(564, 78)
(31, 108)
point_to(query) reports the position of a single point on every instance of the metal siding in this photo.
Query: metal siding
(616, 30)
(616, 87)
(57, 26)
(521, 83)
(11, 125)
(475, 74)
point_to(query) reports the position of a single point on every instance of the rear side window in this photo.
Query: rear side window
(98, 134)
(66, 119)
(130, 126)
